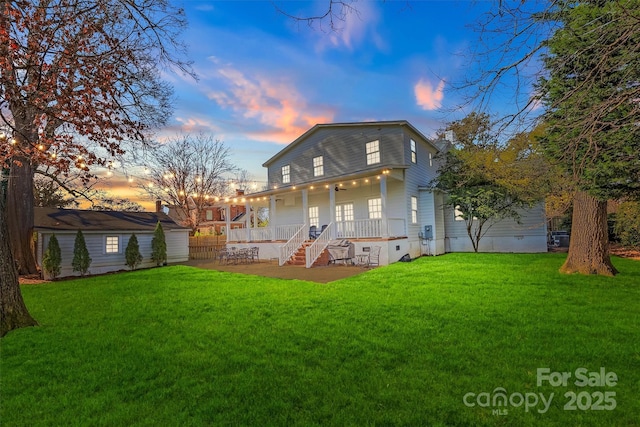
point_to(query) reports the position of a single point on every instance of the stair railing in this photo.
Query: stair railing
(288, 249)
(314, 250)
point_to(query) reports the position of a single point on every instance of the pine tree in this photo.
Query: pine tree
(159, 246)
(52, 258)
(132, 253)
(81, 259)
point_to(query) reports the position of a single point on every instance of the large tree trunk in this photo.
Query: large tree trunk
(13, 312)
(589, 246)
(20, 216)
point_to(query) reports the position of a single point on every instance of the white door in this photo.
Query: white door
(345, 220)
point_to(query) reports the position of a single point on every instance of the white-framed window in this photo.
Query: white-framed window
(375, 208)
(112, 244)
(414, 153)
(314, 216)
(344, 212)
(457, 214)
(286, 174)
(414, 210)
(430, 159)
(209, 215)
(318, 166)
(373, 152)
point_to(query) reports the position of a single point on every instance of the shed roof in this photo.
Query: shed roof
(75, 219)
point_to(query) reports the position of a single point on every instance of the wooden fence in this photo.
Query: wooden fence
(205, 247)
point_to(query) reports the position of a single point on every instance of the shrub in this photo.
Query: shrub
(81, 259)
(627, 226)
(132, 253)
(52, 258)
(159, 246)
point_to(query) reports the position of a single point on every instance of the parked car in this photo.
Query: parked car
(559, 239)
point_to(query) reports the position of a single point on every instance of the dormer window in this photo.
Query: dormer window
(286, 174)
(318, 166)
(373, 152)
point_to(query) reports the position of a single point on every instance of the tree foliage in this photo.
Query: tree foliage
(159, 245)
(187, 173)
(81, 259)
(52, 258)
(487, 181)
(627, 224)
(592, 97)
(132, 254)
(49, 194)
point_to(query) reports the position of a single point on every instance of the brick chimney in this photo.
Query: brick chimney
(239, 192)
(158, 206)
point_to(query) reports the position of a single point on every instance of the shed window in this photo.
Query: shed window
(112, 244)
(373, 152)
(318, 166)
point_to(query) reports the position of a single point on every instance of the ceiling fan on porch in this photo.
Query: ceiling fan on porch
(340, 189)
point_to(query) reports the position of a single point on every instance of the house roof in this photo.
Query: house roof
(342, 125)
(75, 219)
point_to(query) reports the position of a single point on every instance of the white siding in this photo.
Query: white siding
(101, 262)
(504, 236)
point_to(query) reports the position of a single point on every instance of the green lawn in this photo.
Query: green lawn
(398, 345)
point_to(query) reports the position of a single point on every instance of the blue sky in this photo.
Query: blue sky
(264, 78)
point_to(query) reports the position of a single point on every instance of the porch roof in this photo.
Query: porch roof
(324, 181)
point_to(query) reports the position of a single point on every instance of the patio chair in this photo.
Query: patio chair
(313, 232)
(253, 254)
(374, 256)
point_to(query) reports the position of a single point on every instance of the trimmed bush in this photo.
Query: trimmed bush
(52, 258)
(81, 259)
(159, 246)
(132, 254)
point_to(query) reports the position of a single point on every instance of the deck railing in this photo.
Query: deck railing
(370, 228)
(292, 245)
(264, 234)
(314, 250)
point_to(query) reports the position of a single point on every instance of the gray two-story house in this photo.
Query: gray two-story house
(369, 183)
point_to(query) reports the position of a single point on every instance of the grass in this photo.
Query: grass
(398, 345)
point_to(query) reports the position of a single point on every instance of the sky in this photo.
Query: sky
(265, 78)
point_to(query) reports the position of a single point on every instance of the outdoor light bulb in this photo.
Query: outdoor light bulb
(294, 187)
(354, 183)
(366, 180)
(243, 200)
(181, 193)
(217, 199)
(166, 189)
(109, 173)
(53, 155)
(198, 179)
(151, 185)
(226, 199)
(40, 147)
(82, 165)
(206, 197)
(326, 186)
(378, 177)
(340, 184)
(13, 141)
(311, 188)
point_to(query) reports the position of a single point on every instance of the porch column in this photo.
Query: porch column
(383, 205)
(247, 220)
(272, 216)
(305, 207)
(227, 219)
(332, 210)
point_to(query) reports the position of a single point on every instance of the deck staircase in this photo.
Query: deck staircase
(300, 257)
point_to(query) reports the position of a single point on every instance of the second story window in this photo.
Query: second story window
(414, 153)
(318, 166)
(286, 174)
(373, 152)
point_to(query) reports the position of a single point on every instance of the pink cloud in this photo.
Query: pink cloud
(427, 97)
(277, 105)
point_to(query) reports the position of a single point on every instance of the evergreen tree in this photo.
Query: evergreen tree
(591, 93)
(132, 254)
(81, 259)
(159, 245)
(52, 258)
